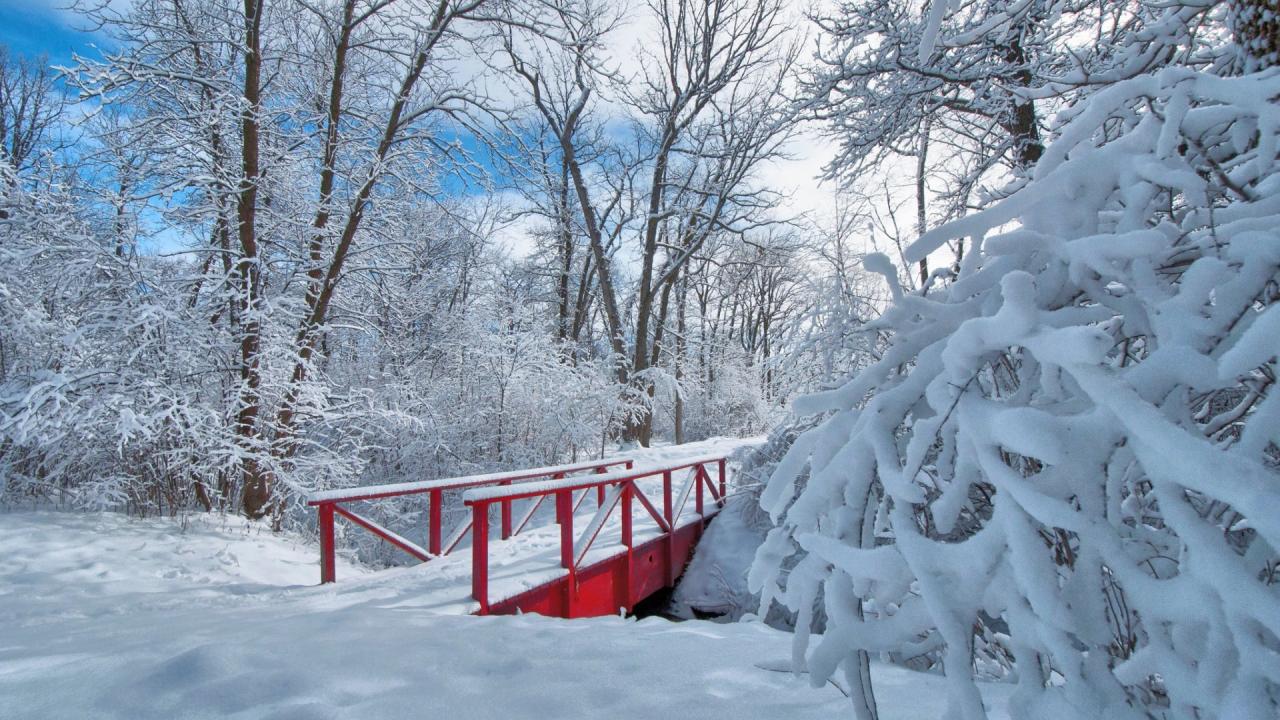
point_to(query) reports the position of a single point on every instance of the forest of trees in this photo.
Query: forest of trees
(1020, 374)
(257, 249)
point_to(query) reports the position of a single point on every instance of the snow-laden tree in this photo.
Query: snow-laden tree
(104, 378)
(331, 305)
(1071, 451)
(950, 81)
(289, 136)
(30, 108)
(693, 130)
(960, 90)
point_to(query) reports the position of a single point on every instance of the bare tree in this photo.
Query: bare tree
(245, 77)
(30, 108)
(705, 116)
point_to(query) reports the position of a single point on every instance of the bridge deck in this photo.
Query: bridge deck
(528, 561)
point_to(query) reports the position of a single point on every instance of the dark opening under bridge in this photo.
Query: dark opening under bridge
(636, 543)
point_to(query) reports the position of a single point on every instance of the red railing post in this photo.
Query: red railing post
(434, 520)
(724, 498)
(480, 555)
(627, 488)
(558, 476)
(666, 499)
(564, 513)
(328, 569)
(600, 490)
(506, 514)
(671, 528)
(699, 473)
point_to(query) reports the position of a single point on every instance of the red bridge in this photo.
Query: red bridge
(636, 543)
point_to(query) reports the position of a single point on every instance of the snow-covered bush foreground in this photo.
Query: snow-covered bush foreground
(1076, 439)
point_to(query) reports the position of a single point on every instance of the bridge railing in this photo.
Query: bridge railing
(618, 489)
(329, 505)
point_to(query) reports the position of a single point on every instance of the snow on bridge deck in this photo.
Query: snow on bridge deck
(522, 563)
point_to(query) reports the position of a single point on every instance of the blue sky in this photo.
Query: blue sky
(43, 27)
(47, 27)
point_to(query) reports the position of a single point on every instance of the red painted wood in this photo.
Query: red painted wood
(666, 497)
(714, 491)
(467, 483)
(564, 512)
(606, 587)
(506, 515)
(579, 554)
(582, 497)
(617, 583)
(698, 475)
(328, 570)
(668, 513)
(480, 556)
(434, 531)
(623, 591)
(627, 490)
(457, 537)
(724, 487)
(327, 508)
(586, 482)
(610, 585)
(528, 515)
(600, 490)
(649, 508)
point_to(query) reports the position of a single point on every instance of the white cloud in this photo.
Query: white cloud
(799, 176)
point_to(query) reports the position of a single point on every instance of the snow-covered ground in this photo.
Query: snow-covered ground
(107, 617)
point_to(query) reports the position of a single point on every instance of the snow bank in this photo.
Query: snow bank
(109, 618)
(716, 580)
(87, 564)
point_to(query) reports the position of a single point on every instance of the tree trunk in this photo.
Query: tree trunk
(563, 326)
(641, 427)
(1022, 123)
(681, 306)
(922, 216)
(582, 305)
(310, 331)
(645, 423)
(256, 490)
(604, 281)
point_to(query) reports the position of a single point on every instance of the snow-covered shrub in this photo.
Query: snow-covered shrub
(831, 342)
(98, 404)
(118, 388)
(1078, 437)
(731, 404)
